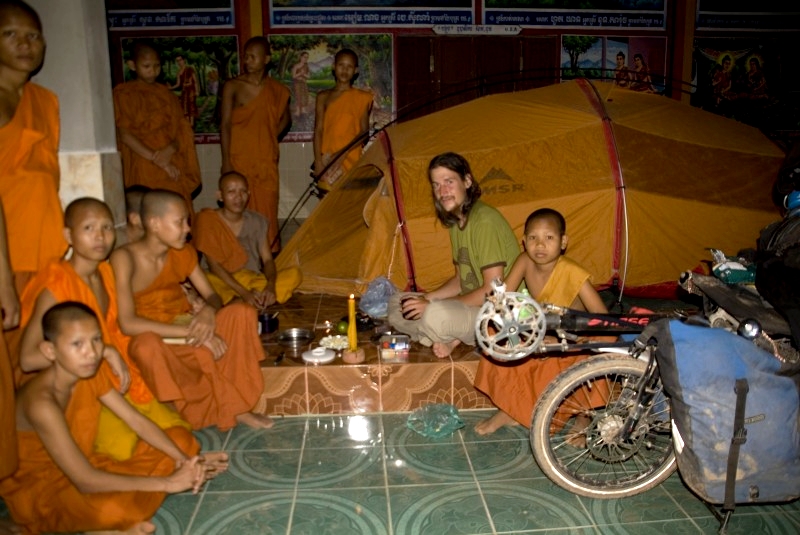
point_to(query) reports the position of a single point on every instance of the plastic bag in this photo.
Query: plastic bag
(375, 301)
(435, 420)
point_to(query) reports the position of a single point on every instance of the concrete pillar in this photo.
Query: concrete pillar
(77, 68)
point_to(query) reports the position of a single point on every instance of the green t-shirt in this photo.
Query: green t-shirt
(486, 241)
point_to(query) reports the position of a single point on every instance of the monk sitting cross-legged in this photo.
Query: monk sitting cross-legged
(235, 244)
(87, 278)
(212, 375)
(62, 484)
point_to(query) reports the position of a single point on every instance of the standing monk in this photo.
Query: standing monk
(342, 117)
(155, 139)
(255, 112)
(30, 211)
(29, 131)
(211, 369)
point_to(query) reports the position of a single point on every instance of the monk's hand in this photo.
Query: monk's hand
(188, 474)
(413, 306)
(268, 296)
(9, 304)
(173, 172)
(202, 326)
(217, 346)
(118, 366)
(253, 299)
(163, 156)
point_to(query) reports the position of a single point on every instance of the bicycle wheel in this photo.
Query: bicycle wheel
(576, 423)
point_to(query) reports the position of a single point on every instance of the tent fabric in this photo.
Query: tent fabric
(687, 180)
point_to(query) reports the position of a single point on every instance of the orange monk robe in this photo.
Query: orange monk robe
(8, 435)
(29, 181)
(115, 437)
(342, 124)
(39, 495)
(153, 114)
(515, 387)
(205, 392)
(254, 148)
(215, 239)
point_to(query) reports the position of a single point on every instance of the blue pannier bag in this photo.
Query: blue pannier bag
(735, 410)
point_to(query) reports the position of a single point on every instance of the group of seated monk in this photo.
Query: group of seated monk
(116, 366)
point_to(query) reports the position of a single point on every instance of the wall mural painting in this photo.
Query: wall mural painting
(635, 63)
(195, 68)
(304, 64)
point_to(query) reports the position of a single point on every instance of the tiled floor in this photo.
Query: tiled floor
(347, 474)
(369, 474)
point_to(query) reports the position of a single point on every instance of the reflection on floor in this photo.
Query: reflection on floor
(371, 475)
(347, 465)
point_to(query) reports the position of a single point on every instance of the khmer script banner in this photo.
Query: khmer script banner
(370, 13)
(169, 14)
(645, 14)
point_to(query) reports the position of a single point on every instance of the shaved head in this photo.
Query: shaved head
(141, 48)
(156, 202)
(259, 40)
(77, 207)
(231, 175)
(65, 312)
(7, 6)
(133, 198)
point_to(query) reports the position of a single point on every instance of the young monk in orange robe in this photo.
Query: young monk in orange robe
(342, 116)
(156, 141)
(235, 244)
(62, 484)
(87, 278)
(255, 114)
(550, 278)
(212, 375)
(29, 130)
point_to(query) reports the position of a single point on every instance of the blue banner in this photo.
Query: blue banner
(303, 17)
(184, 19)
(576, 18)
(748, 21)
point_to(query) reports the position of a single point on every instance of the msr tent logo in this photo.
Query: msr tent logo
(497, 182)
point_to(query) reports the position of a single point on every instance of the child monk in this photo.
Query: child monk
(213, 375)
(62, 484)
(29, 132)
(132, 229)
(87, 278)
(342, 117)
(550, 278)
(235, 244)
(156, 141)
(255, 114)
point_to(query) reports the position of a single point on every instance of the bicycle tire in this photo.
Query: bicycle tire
(604, 467)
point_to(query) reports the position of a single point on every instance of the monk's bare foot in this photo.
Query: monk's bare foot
(215, 463)
(494, 422)
(576, 436)
(257, 421)
(139, 529)
(444, 349)
(7, 527)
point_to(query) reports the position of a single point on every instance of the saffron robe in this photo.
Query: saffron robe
(153, 114)
(29, 181)
(239, 255)
(114, 436)
(205, 391)
(254, 148)
(8, 435)
(515, 387)
(39, 495)
(342, 124)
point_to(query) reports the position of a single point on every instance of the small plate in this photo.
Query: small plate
(319, 355)
(295, 337)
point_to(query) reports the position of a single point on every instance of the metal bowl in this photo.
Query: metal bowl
(295, 337)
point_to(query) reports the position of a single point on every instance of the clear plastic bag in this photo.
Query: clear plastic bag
(375, 301)
(435, 420)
